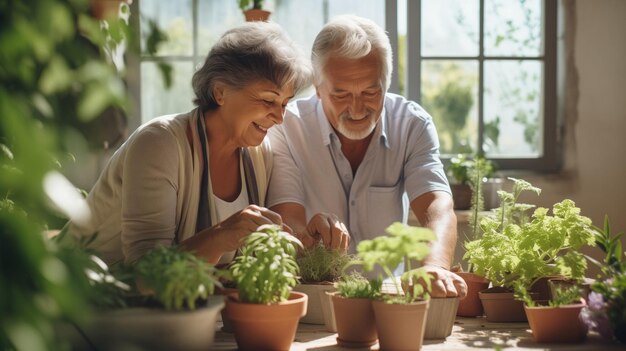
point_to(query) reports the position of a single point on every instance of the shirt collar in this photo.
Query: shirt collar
(327, 130)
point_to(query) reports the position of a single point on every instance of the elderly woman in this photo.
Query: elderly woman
(198, 179)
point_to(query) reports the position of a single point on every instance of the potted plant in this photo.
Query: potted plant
(253, 10)
(557, 321)
(353, 311)
(170, 307)
(517, 247)
(471, 306)
(469, 175)
(265, 312)
(606, 310)
(319, 269)
(400, 317)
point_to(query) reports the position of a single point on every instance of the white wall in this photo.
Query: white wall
(594, 174)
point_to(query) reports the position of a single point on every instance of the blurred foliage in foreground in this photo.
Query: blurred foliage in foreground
(56, 76)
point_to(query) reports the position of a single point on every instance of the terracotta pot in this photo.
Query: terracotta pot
(266, 327)
(257, 15)
(500, 306)
(441, 313)
(356, 326)
(317, 298)
(557, 324)
(143, 328)
(227, 325)
(471, 306)
(106, 9)
(462, 196)
(400, 326)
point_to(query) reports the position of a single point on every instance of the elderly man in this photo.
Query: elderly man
(345, 158)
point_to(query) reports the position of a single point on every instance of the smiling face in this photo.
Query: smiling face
(249, 112)
(352, 94)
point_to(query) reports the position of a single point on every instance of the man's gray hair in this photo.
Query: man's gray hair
(248, 53)
(351, 37)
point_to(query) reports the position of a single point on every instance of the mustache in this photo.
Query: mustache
(349, 116)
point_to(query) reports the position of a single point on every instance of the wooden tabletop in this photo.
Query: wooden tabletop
(467, 334)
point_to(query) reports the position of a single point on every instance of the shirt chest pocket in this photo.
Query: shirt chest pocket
(384, 206)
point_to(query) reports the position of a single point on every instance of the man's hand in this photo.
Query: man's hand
(446, 283)
(328, 228)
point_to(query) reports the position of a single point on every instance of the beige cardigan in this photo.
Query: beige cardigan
(148, 193)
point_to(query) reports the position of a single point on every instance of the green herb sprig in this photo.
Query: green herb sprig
(403, 244)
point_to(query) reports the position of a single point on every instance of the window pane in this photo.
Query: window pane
(371, 9)
(156, 100)
(513, 109)
(174, 19)
(302, 29)
(450, 27)
(513, 28)
(215, 18)
(450, 95)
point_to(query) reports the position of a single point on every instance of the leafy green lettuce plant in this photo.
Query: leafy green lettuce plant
(519, 248)
(403, 243)
(266, 270)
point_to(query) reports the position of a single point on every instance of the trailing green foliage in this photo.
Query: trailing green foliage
(403, 243)
(356, 286)
(178, 279)
(266, 270)
(320, 264)
(516, 247)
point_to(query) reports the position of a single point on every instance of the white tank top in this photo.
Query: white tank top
(226, 209)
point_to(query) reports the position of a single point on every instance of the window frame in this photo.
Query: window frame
(550, 160)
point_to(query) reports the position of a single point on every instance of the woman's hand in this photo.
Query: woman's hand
(228, 235)
(230, 232)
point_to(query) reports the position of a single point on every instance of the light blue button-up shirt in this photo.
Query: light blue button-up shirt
(401, 163)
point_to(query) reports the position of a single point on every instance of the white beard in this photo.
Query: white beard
(355, 134)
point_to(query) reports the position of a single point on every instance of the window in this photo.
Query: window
(484, 69)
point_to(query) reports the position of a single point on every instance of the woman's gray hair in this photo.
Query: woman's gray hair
(249, 53)
(351, 37)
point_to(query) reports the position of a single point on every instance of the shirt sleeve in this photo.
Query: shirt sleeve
(149, 190)
(423, 168)
(286, 180)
